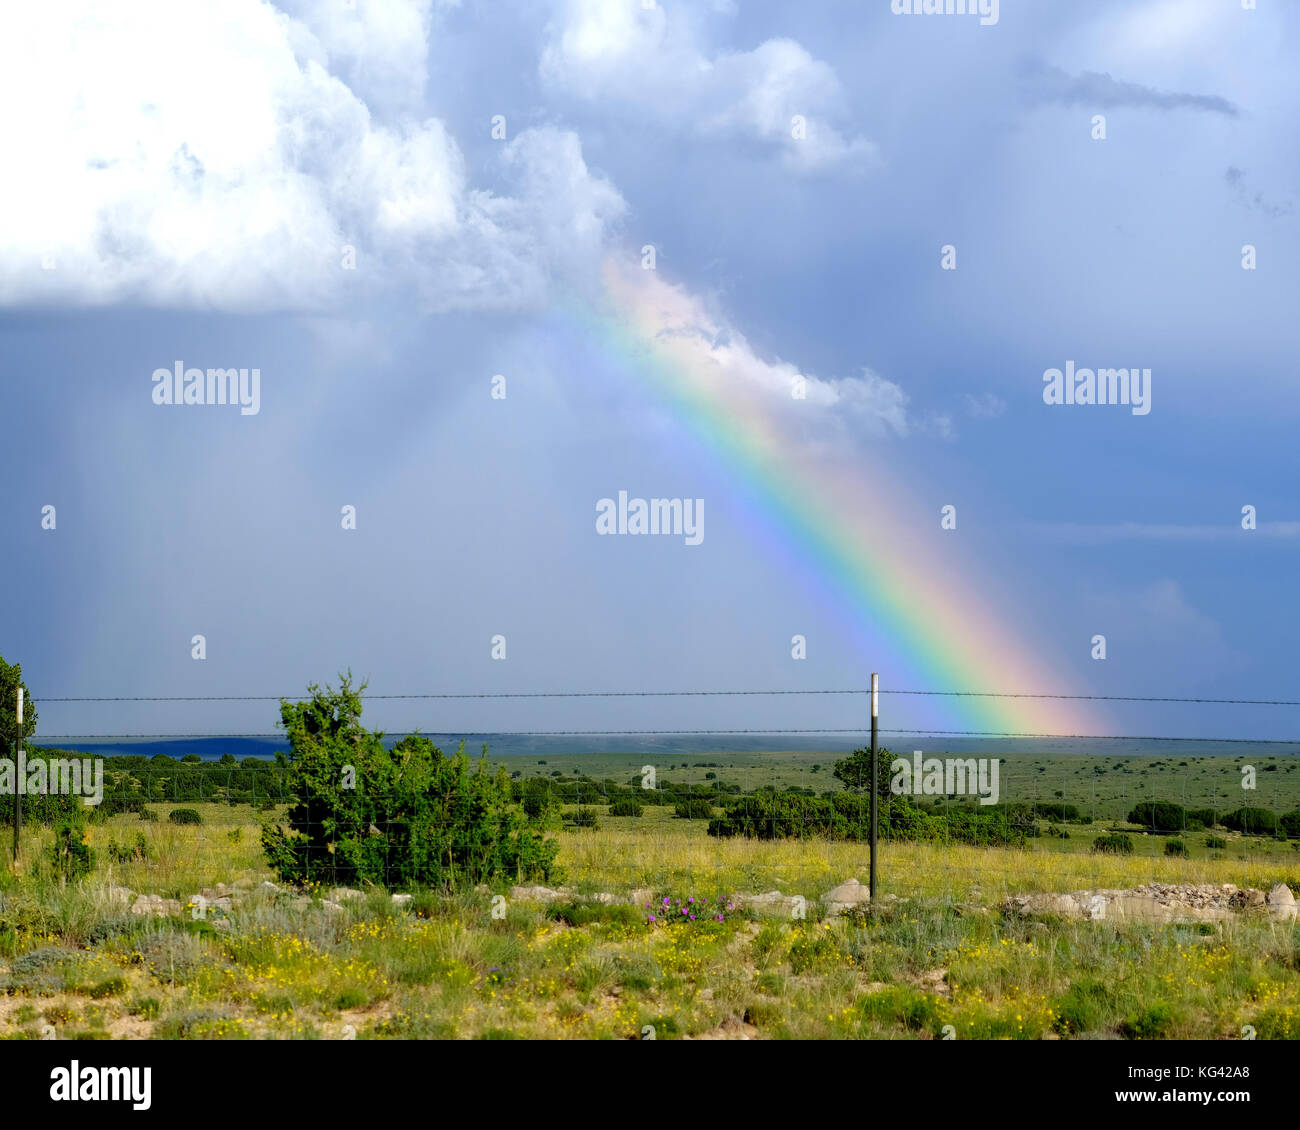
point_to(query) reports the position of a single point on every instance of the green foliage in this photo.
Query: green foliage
(812, 950)
(625, 807)
(184, 816)
(583, 818)
(1084, 1006)
(1159, 816)
(1115, 843)
(1251, 821)
(768, 815)
(70, 853)
(1176, 847)
(1290, 824)
(130, 853)
(1150, 1023)
(854, 771)
(1060, 812)
(11, 678)
(1216, 843)
(694, 808)
(400, 817)
(537, 797)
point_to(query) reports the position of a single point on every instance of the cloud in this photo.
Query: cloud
(1047, 83)
(378, 50)
(204, 155)
(1235, 179)
(985, 406)
(832, 414)
(653, 63)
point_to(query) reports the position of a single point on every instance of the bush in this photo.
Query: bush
(70, 853)
(1151, 1023)
(1159, 816)
(405, 816)
(1290, 822)
(1057, 812)
(1216, 842)
(1176, 847)
(1116, 843)
(694, 808)
(1251, 821)
(184, 816)
(626, 807)
(130, 853)
(583, 818)
(1206, 817)
(767, 815)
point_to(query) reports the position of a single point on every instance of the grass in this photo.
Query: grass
(945, 961)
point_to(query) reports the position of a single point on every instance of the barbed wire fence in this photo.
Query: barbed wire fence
(710, 816)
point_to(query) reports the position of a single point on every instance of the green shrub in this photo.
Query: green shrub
(70, 853)
(184, 816)
(694, 808)
(583, 818)
(625, 807)
(769, 815)
(1290, 822)
(903, 1006)
(1176, 847)
(1159, 816)
(1084, 1007)
(144, 1007)
(130, 853)
(408, 816)
(1116, 843)
(1251, 821)
(107, 988)
(1216, 842)
(1151, 1023)
(1057, 812)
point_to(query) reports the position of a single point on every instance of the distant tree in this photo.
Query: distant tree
(11, 678)
(854, 772)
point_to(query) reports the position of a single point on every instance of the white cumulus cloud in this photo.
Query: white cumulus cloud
(206, 154)
(652, 61)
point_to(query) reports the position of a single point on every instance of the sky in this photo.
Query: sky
(496, 263)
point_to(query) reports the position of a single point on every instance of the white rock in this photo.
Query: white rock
(339, 894)
(846, 896)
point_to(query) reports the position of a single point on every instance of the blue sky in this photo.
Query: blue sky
(192, 175)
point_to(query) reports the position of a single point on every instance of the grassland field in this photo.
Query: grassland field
(938, 951)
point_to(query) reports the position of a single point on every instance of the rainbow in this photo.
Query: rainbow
(925, 623)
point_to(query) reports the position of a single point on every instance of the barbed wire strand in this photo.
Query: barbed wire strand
(689, 694)
(688, 733)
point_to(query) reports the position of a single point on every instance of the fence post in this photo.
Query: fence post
(875, 713)
(18, 768)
